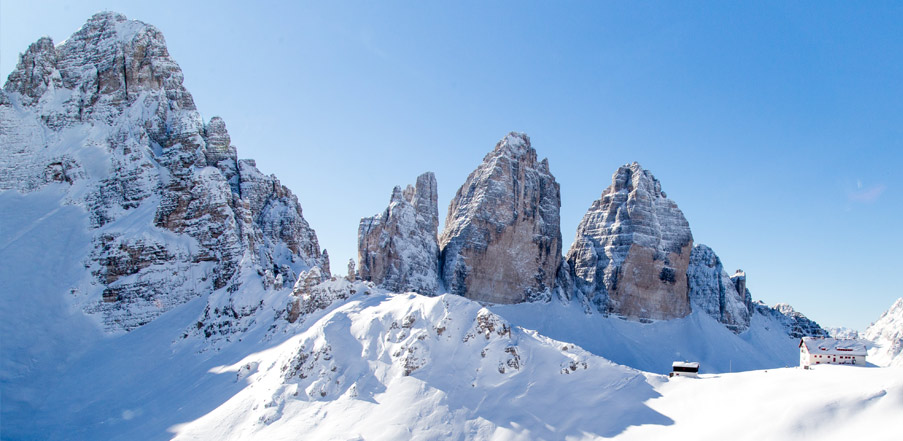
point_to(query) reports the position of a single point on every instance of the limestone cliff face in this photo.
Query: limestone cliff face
(712, 291)
(502, 237)
(632, 250)
(398, 248)
(105, 118)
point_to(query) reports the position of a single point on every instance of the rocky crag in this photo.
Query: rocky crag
(105, 118)
(502, 236)
(633, 255)
(711, 290)
(632, 250)
(796, 324)
(398, 248)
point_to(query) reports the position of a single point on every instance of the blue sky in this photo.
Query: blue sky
(777, 127)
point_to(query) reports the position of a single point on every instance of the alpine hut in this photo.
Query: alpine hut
(821, 350)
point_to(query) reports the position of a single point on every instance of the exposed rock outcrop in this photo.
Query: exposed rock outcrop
(632, 250)
(315, 291)
(711, 290)
(502, 237)
(175, 214)
(795, 323)
(398, 248)
(739, 281)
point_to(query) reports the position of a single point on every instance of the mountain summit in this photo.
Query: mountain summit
(174, 214)
(632, 250)
(502, 237)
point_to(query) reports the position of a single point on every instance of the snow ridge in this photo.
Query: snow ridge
(409, 366)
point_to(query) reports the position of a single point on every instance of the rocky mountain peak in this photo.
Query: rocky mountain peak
(219, 152)
(514, 145)
(106, 17)
(712, 291)
(399, 196)
(35, 71)
(424, 196)
(502, 237)
(217, 135)
(398, 248)
(630, 177)
(105, 67)
(796, 324)
(632, 250)
(517, 146)
(105, 113)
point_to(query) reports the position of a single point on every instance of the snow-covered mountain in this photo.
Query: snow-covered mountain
(155, 287)
(104, 120)
(842, 332)
(885, 337)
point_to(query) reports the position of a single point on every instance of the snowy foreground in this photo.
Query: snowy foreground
(826, 402)
(394, 366)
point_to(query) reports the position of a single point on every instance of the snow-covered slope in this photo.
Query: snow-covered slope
(41, 330)
(415, 367)
(885, 337)
(826, 403)
(654, 345)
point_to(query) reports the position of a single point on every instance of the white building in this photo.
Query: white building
(820, 350)
(684, 369)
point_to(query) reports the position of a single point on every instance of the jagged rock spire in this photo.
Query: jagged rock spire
(397, 249)
(502, 237)
(712, 291)
(632, 249)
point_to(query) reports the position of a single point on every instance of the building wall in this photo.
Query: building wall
(807, 359)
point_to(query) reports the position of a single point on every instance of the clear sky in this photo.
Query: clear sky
(777, 127)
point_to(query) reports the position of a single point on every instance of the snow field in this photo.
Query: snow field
(822, 403)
